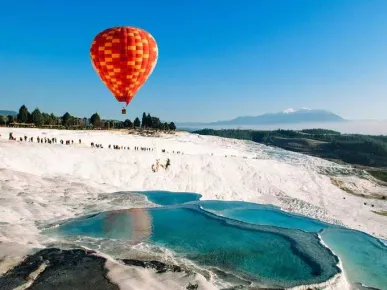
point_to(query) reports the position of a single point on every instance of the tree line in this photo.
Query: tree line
(367, 150)
(67, 121)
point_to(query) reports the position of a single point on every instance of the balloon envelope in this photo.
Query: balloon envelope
(124, 57)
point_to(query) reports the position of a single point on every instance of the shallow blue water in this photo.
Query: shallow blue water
(260, 243)
(263, 215)
(166, 198)
(364, 258)
(250, 252)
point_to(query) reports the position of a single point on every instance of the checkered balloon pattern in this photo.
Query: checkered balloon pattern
(124, 58)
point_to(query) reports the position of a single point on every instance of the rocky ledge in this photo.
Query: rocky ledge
(58, 269)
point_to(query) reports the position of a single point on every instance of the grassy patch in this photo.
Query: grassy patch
(383, 213)
(379, 174)
(378, 196)
(343, 187)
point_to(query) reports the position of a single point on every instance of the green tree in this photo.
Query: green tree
(30, 118)
(120, 125)
(3, 121)
(66, 118)
(95, 119)
(144, 122)
(172, 126)
(37, 117)
(23, 115)
(156, 124)
(53, 120)
(46, 119)
(148, 121)
(137, 123)
(75, 121)
(10, 119)
(128, 123)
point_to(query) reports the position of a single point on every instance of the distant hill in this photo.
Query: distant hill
(289, 116)
(7, 113)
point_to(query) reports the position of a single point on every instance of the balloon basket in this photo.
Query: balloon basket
(123, 111)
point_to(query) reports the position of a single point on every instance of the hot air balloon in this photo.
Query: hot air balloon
(124, 58)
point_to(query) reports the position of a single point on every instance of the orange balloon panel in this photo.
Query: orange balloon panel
(124, 58)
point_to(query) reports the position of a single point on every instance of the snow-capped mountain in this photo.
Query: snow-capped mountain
(291, 110)
(288, 116)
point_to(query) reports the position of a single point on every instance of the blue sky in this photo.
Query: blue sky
(217, 59)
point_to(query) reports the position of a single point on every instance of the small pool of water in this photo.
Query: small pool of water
(251, 252)
(259, 243)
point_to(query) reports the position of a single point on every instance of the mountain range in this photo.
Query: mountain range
(288, 116)
(7, 113)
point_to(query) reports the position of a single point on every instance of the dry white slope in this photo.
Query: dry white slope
(47, 182)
